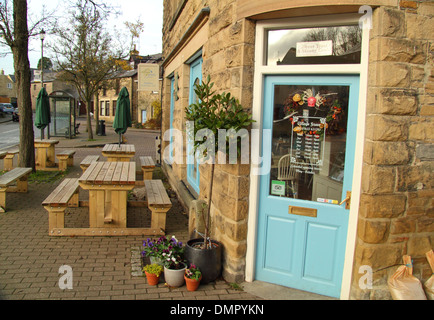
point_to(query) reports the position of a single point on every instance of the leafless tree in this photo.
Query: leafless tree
(84, 51)
(15, 34)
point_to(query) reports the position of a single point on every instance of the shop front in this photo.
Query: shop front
(340, 95)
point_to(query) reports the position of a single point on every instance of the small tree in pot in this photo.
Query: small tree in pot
(217, 123)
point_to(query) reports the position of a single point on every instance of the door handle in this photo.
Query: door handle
(347, 200)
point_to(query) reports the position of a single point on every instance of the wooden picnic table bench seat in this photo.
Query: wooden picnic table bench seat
(66, 159)
(87, 161)
(8, 163)
(18, 175)
(148, 166)
(64, 196)
(158, 202)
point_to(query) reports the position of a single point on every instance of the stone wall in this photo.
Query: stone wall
(396, 214)
(228, 57)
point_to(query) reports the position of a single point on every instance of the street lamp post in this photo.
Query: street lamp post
(42, 37)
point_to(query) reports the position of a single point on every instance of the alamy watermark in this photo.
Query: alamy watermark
(365, 21)
(232, 147)
(365, 281)
(65, 281)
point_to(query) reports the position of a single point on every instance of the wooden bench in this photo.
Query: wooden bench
(64, 196)
(8, 163)
(158, 202)
(18, 175)
(66, 159)
(87, 162)
(148, 167)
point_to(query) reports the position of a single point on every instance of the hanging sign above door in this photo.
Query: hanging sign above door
(314, 48)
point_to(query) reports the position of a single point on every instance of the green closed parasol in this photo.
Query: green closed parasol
(42, 116)
(123, 115)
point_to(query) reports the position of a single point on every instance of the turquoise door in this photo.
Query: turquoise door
(302, 219)
(193, 177)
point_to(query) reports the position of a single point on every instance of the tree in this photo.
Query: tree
(15, 34)
(213, 114)
(47, 64)
(84, 51)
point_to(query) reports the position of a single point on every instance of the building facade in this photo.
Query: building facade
(339, 185)
(8, 91)
(140, 100)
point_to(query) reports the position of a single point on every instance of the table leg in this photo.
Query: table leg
(51, 161)
(119, 208)
(3, 199)
(108, 208)
(96, 208)
(42, 157)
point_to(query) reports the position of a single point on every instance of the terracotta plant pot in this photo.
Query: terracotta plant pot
(192, 284)
(153, 279)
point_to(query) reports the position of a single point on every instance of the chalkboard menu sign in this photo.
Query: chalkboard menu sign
(306, 146)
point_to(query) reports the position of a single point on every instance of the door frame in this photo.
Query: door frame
(261, 71)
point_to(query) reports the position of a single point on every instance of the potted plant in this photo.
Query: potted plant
(174, 267)
(155, 249)
(153, 273)
(213, 112)
(192, 277)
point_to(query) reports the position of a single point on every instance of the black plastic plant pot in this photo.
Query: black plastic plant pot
(207, 260)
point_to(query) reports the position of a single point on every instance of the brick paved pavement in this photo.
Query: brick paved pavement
(102, 266)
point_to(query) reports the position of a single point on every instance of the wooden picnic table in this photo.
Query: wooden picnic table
(45, 153)
(108, 184)
(116, 152)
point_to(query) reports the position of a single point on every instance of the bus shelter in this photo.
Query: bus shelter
(63, 114)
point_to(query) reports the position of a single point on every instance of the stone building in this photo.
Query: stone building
(340, 181)
(140, 101)
(51, 84)
(8, 91)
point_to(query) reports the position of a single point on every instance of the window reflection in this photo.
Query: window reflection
(309, 140)
(285, 46)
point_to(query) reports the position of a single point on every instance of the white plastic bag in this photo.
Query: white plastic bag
(403, 285)
(429, 284)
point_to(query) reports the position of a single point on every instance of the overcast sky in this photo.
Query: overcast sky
(150, 12)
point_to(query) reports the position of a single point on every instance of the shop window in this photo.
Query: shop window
(193, 177)
(326, 45)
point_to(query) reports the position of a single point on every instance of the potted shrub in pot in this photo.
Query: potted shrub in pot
(211, 115)
(153, 273)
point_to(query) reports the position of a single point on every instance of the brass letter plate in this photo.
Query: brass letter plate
(301, 211)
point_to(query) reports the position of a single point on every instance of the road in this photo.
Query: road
(10, 133)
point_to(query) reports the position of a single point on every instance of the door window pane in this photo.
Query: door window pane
(309, 139)
(328, 45)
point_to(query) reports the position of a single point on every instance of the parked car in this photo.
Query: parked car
(8, 108)
(15, 116)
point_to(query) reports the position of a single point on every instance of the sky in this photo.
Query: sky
(150, 12)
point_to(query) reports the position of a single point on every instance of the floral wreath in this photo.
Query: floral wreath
(333, 123)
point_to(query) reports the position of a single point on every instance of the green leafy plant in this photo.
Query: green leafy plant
(153, 269)
(215, 111)
(193, 272)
